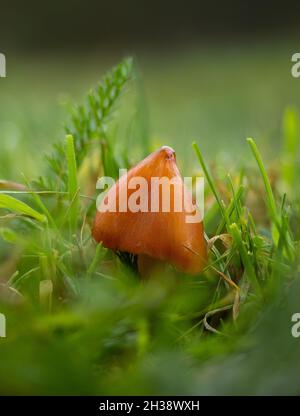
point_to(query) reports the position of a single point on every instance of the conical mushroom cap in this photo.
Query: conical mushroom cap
(162, 235)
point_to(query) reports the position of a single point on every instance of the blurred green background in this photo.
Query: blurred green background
(216, 94)
(217, 73)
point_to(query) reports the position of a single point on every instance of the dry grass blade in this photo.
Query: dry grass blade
(11, 186)
(225, 238)
(236, 303)
(211, 313)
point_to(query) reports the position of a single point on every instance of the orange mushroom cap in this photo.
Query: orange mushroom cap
(161, 235)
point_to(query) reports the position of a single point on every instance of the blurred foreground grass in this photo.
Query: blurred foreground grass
(79, 321)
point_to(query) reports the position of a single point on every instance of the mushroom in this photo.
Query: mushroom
(150, 230)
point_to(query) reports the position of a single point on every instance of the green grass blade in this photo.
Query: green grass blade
(237, 238)
(39, 203)
(99, 254)
(229, 210)
(72, 183)
(270, 196)
(209, 179)
(13, 204)
(89, 122)
(279, 232)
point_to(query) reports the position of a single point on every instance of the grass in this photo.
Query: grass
(79, 319)
(73, 188)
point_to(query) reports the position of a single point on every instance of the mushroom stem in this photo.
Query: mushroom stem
(148, 266)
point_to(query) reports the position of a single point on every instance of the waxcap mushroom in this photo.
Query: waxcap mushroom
(160, 235)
